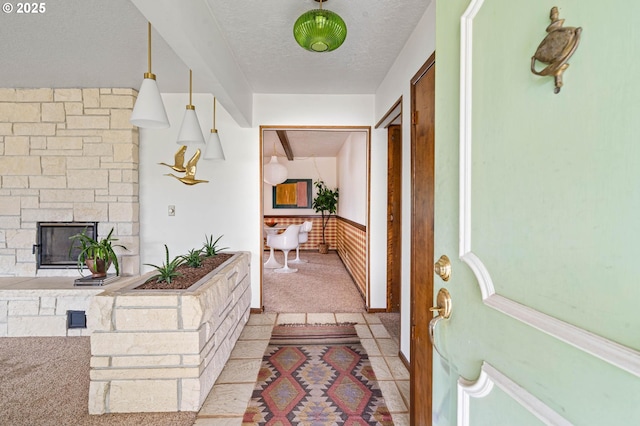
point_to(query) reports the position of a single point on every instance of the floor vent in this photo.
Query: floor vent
(76, 319)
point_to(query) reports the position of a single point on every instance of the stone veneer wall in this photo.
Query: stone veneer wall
(43, 311)
(66, 155)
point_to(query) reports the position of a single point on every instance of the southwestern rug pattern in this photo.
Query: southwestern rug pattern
(316, 375)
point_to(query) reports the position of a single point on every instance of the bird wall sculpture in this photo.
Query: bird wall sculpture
(190, 170)
(178, 160)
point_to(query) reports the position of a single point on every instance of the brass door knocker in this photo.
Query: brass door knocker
(556, 49)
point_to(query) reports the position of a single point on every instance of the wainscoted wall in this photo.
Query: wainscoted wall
(352, 249)
(66, 155)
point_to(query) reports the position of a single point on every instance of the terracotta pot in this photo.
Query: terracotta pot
(323, 248)
(98, 268)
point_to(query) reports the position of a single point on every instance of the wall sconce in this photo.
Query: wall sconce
(149, 111)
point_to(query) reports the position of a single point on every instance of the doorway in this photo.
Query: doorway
(422, 239)
(338, 156)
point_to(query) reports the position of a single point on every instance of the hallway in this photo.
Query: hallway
(229, 397)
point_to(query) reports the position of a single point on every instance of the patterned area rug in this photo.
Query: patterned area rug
(316, 375)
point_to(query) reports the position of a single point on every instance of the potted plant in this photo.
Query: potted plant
(325, 203)
(97, 254)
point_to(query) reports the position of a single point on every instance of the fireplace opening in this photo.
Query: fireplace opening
(53, 248)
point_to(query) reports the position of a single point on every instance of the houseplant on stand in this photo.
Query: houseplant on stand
(97, 254)
(325, 203)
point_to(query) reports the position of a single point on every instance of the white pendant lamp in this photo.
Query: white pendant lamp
(149, 112)
(190, 132)
(273, 172)
(214, 151)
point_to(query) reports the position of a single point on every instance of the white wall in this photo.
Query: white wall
(307, 168)
(309, 110)
(228, 204)
(352, 178)
(419, 46)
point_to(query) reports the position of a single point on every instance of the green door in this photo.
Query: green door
(538, 207)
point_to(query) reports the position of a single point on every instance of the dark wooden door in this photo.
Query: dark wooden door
(394, 216)
(422, 244)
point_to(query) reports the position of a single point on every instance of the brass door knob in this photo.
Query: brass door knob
(443, 304)
(443, 308)
(443, 267)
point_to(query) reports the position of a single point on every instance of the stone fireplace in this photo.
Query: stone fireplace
(66, 155)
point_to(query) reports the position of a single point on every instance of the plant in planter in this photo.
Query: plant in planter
(97, 254)
(193, 258)
(184, 271)
(168, 270)
(325, 203)
(210, 247)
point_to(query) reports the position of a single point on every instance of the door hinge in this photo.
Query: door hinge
(413, 332)
(415, 118)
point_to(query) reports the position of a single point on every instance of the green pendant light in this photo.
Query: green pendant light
(320, 30)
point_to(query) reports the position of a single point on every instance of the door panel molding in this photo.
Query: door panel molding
(490, 377)
(607, 350)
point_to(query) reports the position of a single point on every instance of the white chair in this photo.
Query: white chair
(286, 242)
(303, 237)
(271, 263)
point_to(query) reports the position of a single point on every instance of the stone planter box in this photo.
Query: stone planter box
(162, 350)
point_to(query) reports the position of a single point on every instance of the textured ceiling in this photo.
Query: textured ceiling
(84, 43)
(241, 45)
(99, 43)
(260, 34)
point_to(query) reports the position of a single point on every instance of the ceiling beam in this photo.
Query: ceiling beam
(284, 140)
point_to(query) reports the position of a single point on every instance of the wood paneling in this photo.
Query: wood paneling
(394, 217)
(352, 249)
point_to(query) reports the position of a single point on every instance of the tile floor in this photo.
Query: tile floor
(229, 397)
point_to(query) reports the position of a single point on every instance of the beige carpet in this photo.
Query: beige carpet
(320, 285)
(45, 381)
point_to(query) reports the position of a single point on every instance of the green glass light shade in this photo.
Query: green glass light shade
(320, 30)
